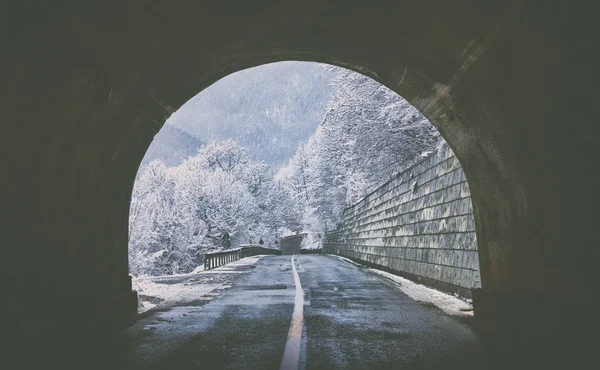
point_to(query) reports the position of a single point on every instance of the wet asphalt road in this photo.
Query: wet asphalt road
(352, 319)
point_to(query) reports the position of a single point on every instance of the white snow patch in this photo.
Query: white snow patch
(449, 304)
(145, 306)
(169, 294)
(196, 285)
(215, 271)
(198, 269)
(345, 260)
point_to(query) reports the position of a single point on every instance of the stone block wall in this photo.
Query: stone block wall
(418, 225)
(291, 244)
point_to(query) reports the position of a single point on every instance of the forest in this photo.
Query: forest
(366, 134)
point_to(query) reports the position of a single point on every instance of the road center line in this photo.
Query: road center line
(291, 354)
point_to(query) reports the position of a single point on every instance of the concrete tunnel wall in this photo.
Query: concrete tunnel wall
(511, 85)
(418, 225)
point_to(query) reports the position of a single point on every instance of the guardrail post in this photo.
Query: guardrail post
(217, 259)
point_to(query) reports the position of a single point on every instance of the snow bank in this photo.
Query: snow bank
(168, 294)
(169, 290)
(198, 269)
(345, 260)
(451, 305)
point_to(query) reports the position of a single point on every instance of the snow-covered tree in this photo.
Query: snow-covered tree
(227, 156)
(178, 214)
(368, 134)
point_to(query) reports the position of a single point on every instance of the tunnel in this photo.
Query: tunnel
(511, 86)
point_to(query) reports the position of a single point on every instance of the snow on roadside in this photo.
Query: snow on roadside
(144, 306)
(422, 294)
(198, 269)
(164, 291)
(168, 294)
(449, 304)
(345, 260)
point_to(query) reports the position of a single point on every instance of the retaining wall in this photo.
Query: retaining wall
(418, 225)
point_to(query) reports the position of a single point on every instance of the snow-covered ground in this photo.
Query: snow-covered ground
(450, 304)
(168, 290)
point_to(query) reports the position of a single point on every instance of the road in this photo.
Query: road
(348, 318)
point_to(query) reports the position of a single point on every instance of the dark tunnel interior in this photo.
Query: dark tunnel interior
(511, 86)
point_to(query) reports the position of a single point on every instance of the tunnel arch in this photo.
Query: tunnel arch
(457, 284)
(94, 92)
(438, 105)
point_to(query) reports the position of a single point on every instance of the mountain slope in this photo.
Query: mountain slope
(172, 146)
(270, 109)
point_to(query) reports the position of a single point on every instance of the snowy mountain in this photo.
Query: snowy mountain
(172, 146)
(269, 109)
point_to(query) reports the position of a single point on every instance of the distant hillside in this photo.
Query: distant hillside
(172, 146)
(270, 109)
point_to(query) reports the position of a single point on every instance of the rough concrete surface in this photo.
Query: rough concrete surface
(419, 224)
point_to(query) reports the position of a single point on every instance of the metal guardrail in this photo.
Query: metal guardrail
(217, 259)
(254, 250)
